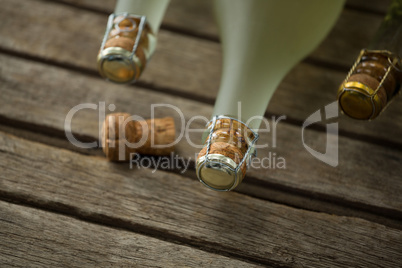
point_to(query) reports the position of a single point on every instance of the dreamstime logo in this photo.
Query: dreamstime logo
(271, 160)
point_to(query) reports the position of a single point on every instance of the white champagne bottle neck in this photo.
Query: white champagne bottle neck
(152, 9)
(262, 40)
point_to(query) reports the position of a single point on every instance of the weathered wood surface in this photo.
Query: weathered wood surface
(355, 181)
(196, 16)
(159, 218)
(173, 68)
(35, 238)
(374, 6)
(180, 209)
(341, 47)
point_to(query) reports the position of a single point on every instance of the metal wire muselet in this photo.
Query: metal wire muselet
(126, 48)
(215, 163)
(352, 86)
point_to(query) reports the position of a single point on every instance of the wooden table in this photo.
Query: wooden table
(65, 206)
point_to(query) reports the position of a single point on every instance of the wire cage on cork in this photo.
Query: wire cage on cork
(126, 47)
(379, 97)
(226, 155)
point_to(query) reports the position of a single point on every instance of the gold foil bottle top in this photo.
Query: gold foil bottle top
(127, 46)
(370, 85)
(222, 163)
(358, 100)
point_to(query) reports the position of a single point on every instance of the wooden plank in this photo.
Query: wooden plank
(35, 238)
(105, 6)
(80, 48)
(353, 31)
(31, 94)
(175, 67)
(196, 16)
(375, 6)
(181, 209)
(252, 187)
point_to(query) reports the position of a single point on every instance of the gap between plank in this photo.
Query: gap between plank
(254, 187)
(120, 224)
(205, 36)
(204, 100)
(364, 9)
(210, 37)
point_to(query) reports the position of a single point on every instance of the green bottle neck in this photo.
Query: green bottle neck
(389, 35)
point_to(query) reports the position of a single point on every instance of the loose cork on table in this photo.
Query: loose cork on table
(154, 136)
(59, 197)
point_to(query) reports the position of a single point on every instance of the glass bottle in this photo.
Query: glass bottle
(130, 39)
(261, 41)
(376, 76)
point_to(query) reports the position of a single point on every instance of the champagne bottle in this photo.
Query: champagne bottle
(130, 39)
(261, 40)
(376, 76)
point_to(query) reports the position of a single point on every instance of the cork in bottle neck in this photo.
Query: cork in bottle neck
(222, 163)
(127, 46)
(372, 82)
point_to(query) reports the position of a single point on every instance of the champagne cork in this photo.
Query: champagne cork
(128, 46)
(225, 165)
(227, 150)
(376, 67)
(231, 136)
(122, 42)
(358, 96)
(121, 137)
(372, 84)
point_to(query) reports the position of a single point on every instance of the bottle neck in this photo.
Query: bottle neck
(152, 9)
(389, 35)
(375, 78)
(261, 42)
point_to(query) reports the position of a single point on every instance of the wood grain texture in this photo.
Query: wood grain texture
(341, 47)
(368, 176)
(177, 208)
(35, 238)
(374, 6)
(157, 215)
(177, 69)
(196, 16)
